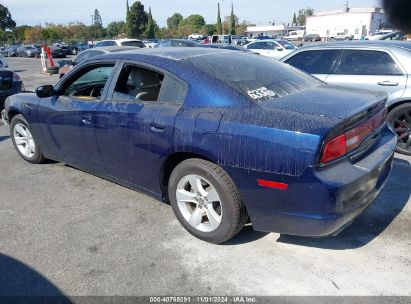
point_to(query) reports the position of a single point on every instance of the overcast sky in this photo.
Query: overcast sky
(260, 12)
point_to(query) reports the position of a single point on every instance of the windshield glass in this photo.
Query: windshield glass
(286, 45)
(260, 79)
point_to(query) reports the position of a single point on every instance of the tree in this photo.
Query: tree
(232, 21)
(33, 35)
(19, 32)
(218, 25)
(150, 32)
(136, 20)
(97, 19)
(208, 29)
(294, 20)
(116, 28)
(174, 21)
(193, 22)
(303, 14)
(6, 22)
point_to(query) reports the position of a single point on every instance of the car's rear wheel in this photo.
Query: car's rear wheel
(206, 201)
(400, 120)
(24, 142)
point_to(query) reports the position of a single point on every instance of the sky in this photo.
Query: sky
(261, 12)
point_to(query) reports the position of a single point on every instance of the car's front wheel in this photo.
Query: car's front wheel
(400, 120)
(24, 142)
(206, 201)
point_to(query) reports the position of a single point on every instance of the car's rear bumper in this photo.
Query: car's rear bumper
(319, 202)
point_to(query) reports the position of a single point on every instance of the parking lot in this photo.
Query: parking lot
(66, 232)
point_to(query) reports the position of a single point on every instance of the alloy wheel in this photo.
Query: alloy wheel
(24, 140)
(199, 203)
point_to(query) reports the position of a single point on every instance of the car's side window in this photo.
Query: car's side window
(270, 45)
(81, 57)
(364, 62)
(256, 46)
(137, 84)
(315, 61)
(88, 83)
(173, 90)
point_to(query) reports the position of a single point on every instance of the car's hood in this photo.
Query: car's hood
(327, 100)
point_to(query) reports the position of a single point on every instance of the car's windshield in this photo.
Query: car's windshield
(286, 45)
(261, 78)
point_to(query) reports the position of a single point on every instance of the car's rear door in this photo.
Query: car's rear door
(375, 70)
(67, 119)
(135, 125)
(317, 62)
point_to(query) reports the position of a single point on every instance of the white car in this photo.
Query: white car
(341, 36)
(271, 48)
(121, 42)
(295, 35)
(195, 36)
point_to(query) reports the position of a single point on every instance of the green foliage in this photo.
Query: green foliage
(193, 22)
(294, 20)
(97, 19)
(208, 29)
(116, 28)
(232, 21)
(150, 31)
(303, 14)
(218, 25)
(19, 32)
(174, 21)
(137, 20)
(6, 22)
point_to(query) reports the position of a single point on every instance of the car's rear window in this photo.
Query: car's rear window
(257, 77)
(136, 43)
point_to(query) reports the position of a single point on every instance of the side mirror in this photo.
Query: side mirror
(45, 91)
(279, 48)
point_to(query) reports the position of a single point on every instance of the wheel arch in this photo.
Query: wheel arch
(168, 166)
(398, 103)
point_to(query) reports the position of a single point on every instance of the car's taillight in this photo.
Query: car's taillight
(347, 142)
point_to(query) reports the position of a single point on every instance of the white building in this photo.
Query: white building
(352, 21)
(254, 31)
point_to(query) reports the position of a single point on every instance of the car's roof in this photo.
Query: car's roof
(361, 44)
(112, 49)
(173, 53)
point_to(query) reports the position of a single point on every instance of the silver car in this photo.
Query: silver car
(371, 65)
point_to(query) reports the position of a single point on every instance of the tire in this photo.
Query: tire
(218, 220)
(399, 119)
(53, 70)
(23, 141)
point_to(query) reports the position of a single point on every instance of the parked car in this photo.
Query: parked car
(3, 62)
(271, 48)
(77, 48)
(121, 42)
(91, 53)
(190, 43)
(312, 37)
(295, 35)
(151, 43)
(57, 52)
(377, 35)
(400, 36)
(10, 83)
(341, 36)
(27, 51)
(9, 51)
(195, 36)
(223, 136)
(372, 65)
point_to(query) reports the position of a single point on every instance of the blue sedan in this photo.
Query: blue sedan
(224, 137)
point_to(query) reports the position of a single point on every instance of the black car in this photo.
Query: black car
(10, 83)
(312, 37)
(57, 52)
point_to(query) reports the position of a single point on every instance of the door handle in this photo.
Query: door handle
(156, 128)
(388, 83)
(86, 120)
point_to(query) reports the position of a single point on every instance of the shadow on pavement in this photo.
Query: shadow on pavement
(20, 283)
(247, 235)
(2, 138)
(374, 220)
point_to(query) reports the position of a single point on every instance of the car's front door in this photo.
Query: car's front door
(67, 118)
(318, 63)
(135, 125)
(372, 70)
